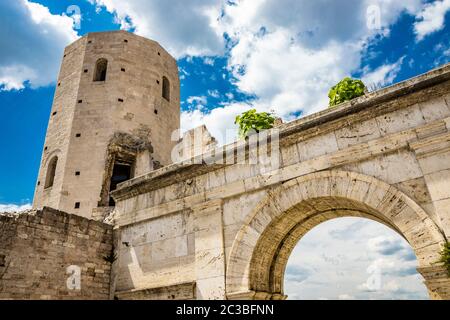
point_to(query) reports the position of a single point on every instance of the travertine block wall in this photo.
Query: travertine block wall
(86, 114)
(156, 253)
(225, 230)
(386, 156)
(37, 247)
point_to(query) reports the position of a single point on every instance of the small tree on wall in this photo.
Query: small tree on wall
(346, 90)
(252, 121)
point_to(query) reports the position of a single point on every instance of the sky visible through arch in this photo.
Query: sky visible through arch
(353, 258)
(280, 55)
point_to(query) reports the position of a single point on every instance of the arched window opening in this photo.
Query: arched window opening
(100, 70)
(166, 89)
(51, 171)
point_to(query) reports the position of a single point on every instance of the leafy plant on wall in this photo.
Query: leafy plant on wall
(346, 90)
(445, 257)
(253, 122)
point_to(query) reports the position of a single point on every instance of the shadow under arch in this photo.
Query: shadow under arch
(261, 249)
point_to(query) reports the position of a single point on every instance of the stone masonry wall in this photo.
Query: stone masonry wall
(185, 223)
(37, 247)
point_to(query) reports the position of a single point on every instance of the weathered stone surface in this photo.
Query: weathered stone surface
(357, 133)
(203, 230)
(388, 162)
(183, 291)
(37, 247)
(124, 118)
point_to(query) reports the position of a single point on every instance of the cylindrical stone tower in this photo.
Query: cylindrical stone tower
(116, 105)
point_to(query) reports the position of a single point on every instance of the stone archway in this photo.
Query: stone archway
(258, 258)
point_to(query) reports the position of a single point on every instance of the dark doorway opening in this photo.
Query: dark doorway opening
(121, 172)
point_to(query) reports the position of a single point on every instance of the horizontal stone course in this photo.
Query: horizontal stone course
(36, 247)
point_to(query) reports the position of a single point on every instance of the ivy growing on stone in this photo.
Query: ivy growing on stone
(346, 90)
(253, 122)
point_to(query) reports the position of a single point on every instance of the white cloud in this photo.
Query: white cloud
(182, 28)
(353, 258)
(214, 93)
(288, 77)
(392, 286)
(32, 49)
(288, 53)
(14, 207)
(197, 100)
(431, 18)
(219, 121)
(383, 75)
(208, 61)
(385, 245)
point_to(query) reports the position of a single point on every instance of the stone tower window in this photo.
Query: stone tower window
(100, 70)
(121, 172)
(51, 170)
(166, 89)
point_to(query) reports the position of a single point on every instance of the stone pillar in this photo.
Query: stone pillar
(209, 251)
(433, 154)
(144, 163)
(437, 282)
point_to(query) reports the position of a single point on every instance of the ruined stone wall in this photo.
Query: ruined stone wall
(194, 142)
(37, 247)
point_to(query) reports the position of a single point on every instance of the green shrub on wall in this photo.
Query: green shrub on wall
(346, 90)
(445, 257)
(252, 121)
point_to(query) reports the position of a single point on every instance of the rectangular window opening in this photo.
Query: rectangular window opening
(121, 173)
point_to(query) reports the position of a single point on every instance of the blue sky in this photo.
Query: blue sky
(279, 55)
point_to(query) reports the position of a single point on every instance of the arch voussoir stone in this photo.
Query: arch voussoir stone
(292, 209)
